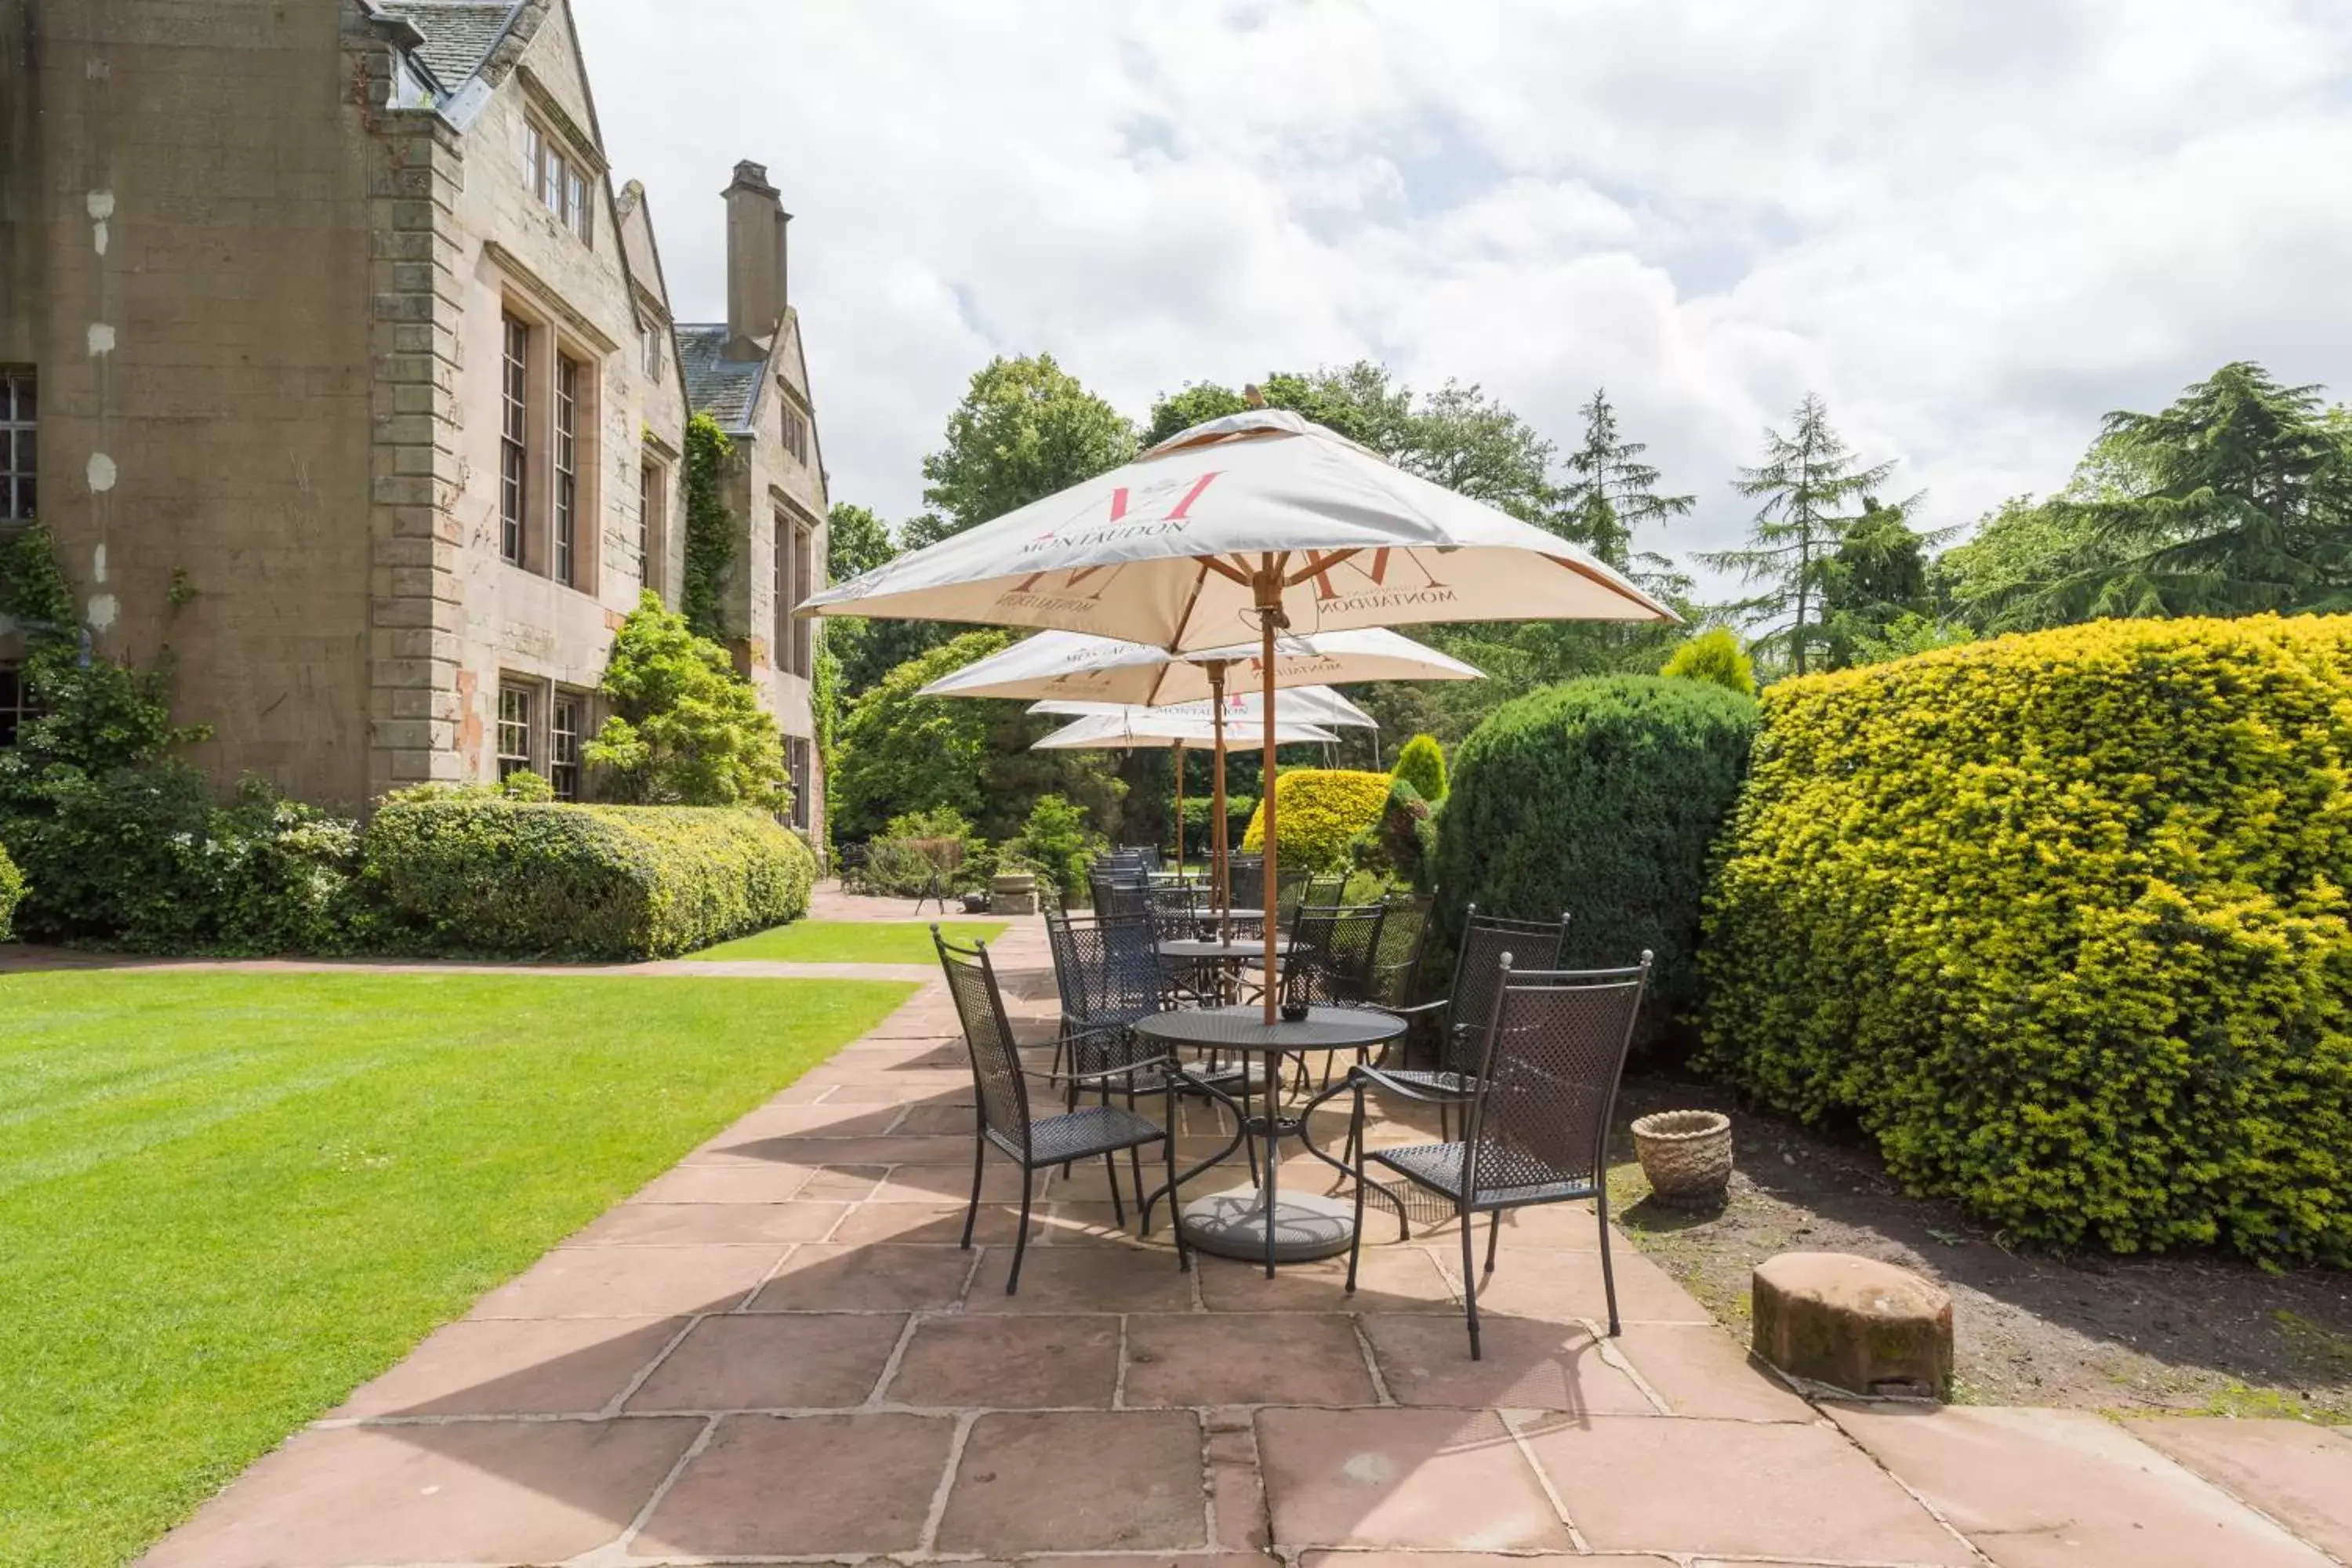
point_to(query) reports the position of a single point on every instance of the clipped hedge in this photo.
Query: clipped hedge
(2060, 921)
(12, 887)
(470, 870)
(1320, 811)
(1599, 797)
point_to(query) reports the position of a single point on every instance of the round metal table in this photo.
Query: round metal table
(1230, 956)
(1260, 1223)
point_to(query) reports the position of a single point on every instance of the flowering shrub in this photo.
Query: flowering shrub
(1319, 811)
(2061, 921)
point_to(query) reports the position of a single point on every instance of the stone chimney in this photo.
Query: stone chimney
(755, 262)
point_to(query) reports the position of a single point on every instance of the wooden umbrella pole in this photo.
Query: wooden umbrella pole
(1220, 861)
(1180, 809)
(1269, 608)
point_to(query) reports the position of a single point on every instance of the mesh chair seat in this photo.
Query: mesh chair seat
(1082, 1134)
(1438, 1167)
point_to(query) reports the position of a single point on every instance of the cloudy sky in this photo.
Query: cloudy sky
(1972, 228)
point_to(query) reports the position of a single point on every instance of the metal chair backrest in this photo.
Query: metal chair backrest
(1106, 969)
(1117, 895)
(1396, 965)
(1175, 909)
(1246, 881)
(1548, 1076)
(1290, 894)
(1535, 944)
(1331, 954)
(1000, 1091)
(1144, 855)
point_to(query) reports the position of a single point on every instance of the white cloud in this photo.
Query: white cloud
(1972, 229)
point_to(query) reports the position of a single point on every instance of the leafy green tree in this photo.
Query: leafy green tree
(1196, 403)
(1904, 635)
(1878, 575)
(2235, 499)
(1997, 581)
(900, 753)
(1808, 479)
(686, 728)
(1057, 844)
(1714, 655)
(1611, 493)
(1026, 429)
(857, 541)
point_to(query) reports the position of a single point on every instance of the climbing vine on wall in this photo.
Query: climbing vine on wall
(710, 528)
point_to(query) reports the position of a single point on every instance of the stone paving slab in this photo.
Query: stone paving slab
(2299, 1474)
(2036, 1487)
(778, 1350)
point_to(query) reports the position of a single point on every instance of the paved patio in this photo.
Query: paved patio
(776, 1352)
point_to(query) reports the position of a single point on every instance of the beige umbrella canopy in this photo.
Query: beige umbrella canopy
(1106, 726)
(1259, 522)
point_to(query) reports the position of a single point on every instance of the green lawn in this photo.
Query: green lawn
(850, 941)
(226, 1199)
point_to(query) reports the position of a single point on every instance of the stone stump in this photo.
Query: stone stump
(1014, 893)
(1854, 1323)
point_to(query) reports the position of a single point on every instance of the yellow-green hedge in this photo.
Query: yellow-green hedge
(467, 869)
(1320, 810)
(2060, 920)
(12, 889)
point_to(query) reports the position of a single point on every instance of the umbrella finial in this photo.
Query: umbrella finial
(1253, 396)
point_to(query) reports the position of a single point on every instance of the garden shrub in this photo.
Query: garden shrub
(1320, 811)
(12, 887)
(1713, 655)
(467, 870)
(1239, 808)
(1599, 797)
(1056, 843)
(1420, 762)
(1401, 845)
(686, 728)
(2060, 921)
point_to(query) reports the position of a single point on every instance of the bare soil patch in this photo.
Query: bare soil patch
(2179, 1333)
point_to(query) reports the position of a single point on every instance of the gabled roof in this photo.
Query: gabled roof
(458, 33)
(727, 390)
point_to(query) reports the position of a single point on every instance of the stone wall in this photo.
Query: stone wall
(186, 234)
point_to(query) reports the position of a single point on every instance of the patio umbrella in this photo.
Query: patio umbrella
(1305, 704)
(1078, 666)
(1115, 726)
(1260, 521)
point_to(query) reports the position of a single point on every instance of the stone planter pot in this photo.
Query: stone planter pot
(1014, 893)
(1686, 1155)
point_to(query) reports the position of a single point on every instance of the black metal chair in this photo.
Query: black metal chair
(1537, 1125)
(1001, 1088)
(1245, 880)
(1103, 982)
(1332, 951)
(1458, 1019)
(1396, 964)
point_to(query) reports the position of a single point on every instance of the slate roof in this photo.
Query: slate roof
(458, 33)
(723, 388)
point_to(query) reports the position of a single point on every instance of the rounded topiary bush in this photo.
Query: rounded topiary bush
(1600, 797)
(1420, 762)
(1320, 811)
(2060, 921)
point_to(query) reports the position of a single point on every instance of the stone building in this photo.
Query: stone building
(346, 379)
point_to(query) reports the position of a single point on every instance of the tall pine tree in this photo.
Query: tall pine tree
(1808, 483)
(1611, 493)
